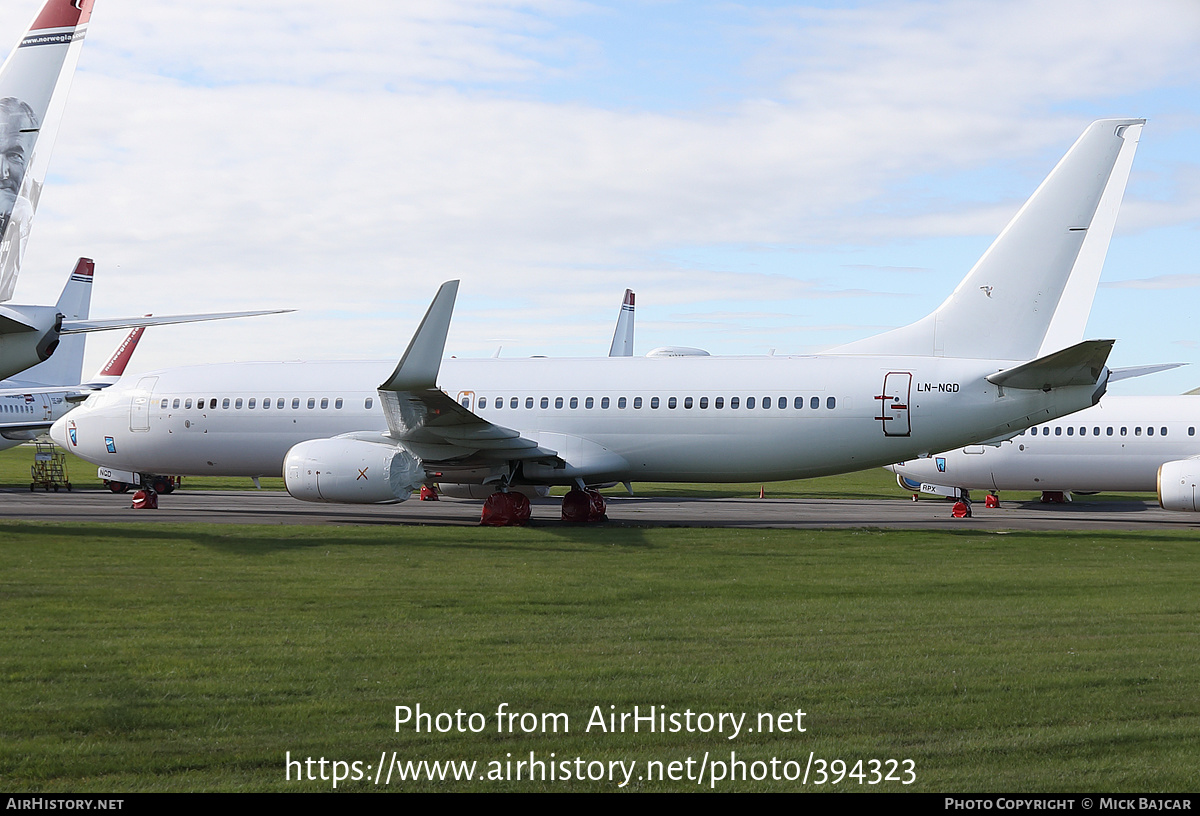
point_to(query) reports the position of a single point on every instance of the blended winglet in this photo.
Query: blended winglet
(418, 368)
(1080, 364)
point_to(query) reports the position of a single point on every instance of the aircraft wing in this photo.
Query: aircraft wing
(77, 326)
(428, 422)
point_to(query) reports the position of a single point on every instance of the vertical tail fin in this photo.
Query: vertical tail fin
(622, 342)
(1007, 304)
(34, 81)
(65, 366)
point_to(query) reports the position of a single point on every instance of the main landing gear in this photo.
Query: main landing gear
(511, 509)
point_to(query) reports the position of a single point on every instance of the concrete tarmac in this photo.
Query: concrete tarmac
(887, 512)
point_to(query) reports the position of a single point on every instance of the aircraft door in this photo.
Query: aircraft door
(893, 403)
(139, 404)
(467, 400)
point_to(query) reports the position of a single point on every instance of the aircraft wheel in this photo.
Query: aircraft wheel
(118, 487)
(160, 485)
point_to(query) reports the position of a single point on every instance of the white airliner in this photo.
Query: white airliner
(34, 81)
(30, 404)
(979, 367)
(1122, 444)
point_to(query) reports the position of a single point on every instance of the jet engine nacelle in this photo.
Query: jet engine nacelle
(1178, 484)
(351, 471)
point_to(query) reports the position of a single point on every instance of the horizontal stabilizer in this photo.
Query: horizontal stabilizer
(418, 368)
(1129, 372)
(1081, 364)
(78, 326)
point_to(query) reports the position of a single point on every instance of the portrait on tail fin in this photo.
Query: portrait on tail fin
(34, 81)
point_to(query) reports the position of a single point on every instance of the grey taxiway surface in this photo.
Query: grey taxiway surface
(273, 507)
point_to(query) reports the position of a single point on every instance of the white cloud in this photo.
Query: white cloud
(235, 155)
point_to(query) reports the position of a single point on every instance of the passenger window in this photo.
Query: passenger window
(703, 402)
(279, 403)
(687, 402)
(1123, 431)
(604, 402)
(238, 403)
(814, 403)
(589, 403)
(558, 403)
(514, 402)
(798, 402)
(621, 402)
(163, 404)
(733, 403)
(324, 403)
(831, 403)
(1095, 431)
(1058, 431)
(175, 403)
(574, 402)
(1108, 430)
(749, 403)
(213, 403)
(1137, 431)
(766, 402)
(545, 402)
(654, 402)
(719, 402)
(1162, 431)
(783, 402)
(1150, 431)
(312, 403)
(482, 402)
(671, 403)
(637, 402)
(337, 404)
(253, 403)
(1070, 431)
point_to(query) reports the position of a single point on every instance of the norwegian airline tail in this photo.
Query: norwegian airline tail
(34, 81)
(65, 367)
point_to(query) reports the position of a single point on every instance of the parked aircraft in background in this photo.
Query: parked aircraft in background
(34, 81)
(1122, 444)
(30, 404)
(622, 342)
(970, 370)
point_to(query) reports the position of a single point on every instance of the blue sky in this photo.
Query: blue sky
(783, 176)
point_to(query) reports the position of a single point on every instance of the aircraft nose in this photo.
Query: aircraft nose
(58, 432)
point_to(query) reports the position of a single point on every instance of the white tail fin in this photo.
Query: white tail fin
(1008, 302)
(622, 342)
(65, 366)
(33, 94)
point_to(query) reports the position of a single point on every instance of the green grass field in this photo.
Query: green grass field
(184, 658)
